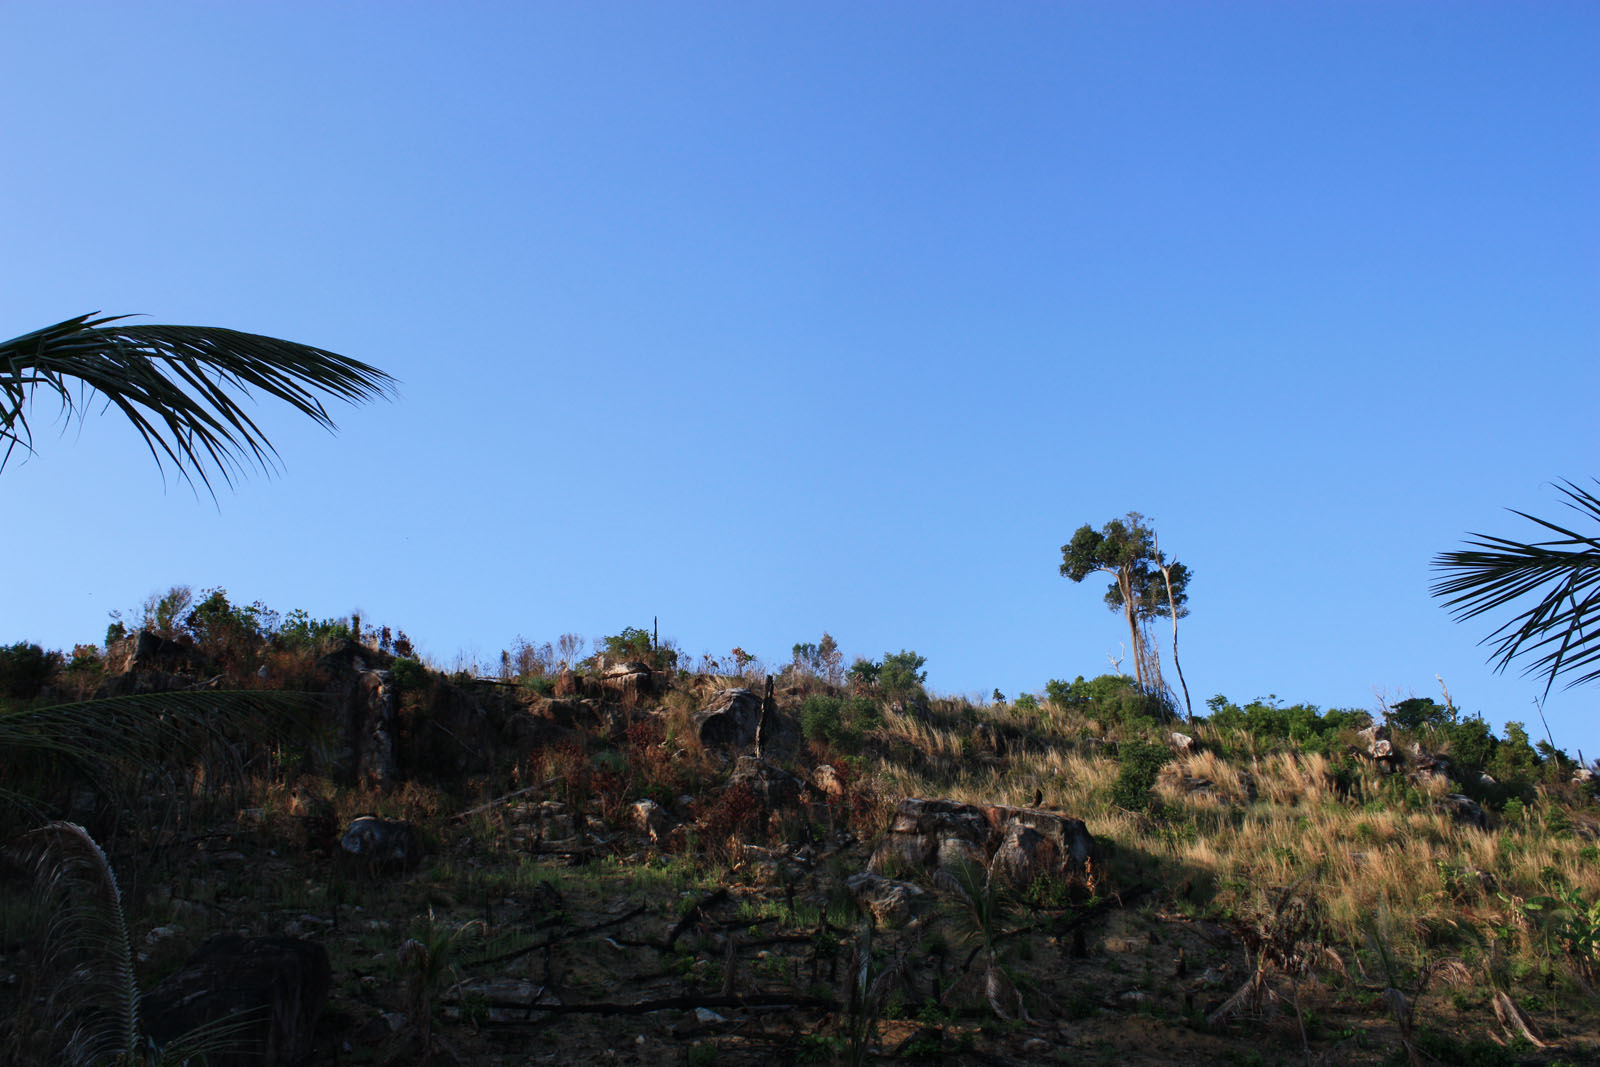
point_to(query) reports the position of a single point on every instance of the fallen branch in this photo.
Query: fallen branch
(553, 941)
(689, 1002)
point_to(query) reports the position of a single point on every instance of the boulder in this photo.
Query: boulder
(1182, 742)
(382, 844)
(284, 981)
(149, 651)
(631, 681)
(773, 787)
(890, 902)
(827, 780)
(1020, 844)
(535, 825)
(1465, 810)
(730, 720)
(651, 819)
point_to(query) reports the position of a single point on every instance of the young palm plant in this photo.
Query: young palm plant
(1563, 573)
(93, 1001)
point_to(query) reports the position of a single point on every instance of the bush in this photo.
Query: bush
(636, 645)
(1110, 697)
(1141, 763)
(408, 675)
(25, 669)
(1304, 724)
(836, 720)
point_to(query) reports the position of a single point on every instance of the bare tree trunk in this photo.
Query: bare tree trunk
(1130, 610)
(1166, 576)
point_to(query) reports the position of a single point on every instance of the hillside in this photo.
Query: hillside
(620, 860)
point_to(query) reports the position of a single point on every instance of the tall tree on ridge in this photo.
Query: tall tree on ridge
(1144, 585)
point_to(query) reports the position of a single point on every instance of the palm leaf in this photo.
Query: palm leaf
(180, 386)
(1562, 575)
(143, 733)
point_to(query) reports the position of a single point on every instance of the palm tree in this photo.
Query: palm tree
(180, 386)
(1564, 573)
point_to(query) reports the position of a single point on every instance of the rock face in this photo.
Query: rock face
(367, 701)
(382, 844)
(1466, 810)
(891, 903)
(651, 819)
(730, 720)
(631, 682)
(284, 980)
(1020, 844)
(773, 787)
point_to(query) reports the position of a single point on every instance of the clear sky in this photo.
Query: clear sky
(770, 319)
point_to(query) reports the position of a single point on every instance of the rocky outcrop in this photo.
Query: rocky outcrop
(1021, 845)
(651, 819)
(730, 720)
(283, 982)
(890, 902)
(629, 682)
(149, 651)
(1465, 810)
(772, 787)
(366, 703)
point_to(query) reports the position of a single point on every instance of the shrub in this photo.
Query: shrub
(25, 669)
(1141, 763)
(901, 674)
(836, 720)
(634, 644)
(408, 675)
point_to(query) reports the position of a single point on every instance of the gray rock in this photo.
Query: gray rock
(730, 720)
(1465, 810)
(1019, 844)
(382, 844)
(651, 819)
(891, 902)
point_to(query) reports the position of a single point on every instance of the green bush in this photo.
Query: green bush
(25, 669)
(1141, 763)
(1112, 698)
(408, 675)
(901, 674)
(1304, 724)
(836, 720)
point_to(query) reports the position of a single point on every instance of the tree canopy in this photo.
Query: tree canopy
(1141, 575)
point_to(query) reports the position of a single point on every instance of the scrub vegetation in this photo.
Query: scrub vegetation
(1272, 883)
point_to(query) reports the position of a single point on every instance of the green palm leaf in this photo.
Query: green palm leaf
(143, 733)
(180, 386)
(1556, 632)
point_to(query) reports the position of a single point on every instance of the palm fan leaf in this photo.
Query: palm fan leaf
(180, 386)
(1562, 574)
(144, 732)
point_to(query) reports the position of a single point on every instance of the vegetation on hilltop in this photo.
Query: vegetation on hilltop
(1334, 849)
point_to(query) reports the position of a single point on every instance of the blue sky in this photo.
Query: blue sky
(770, 319)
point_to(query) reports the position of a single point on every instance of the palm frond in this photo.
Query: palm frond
(1557, 631)
(86, 944)
(180, 386)
(145, 732)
